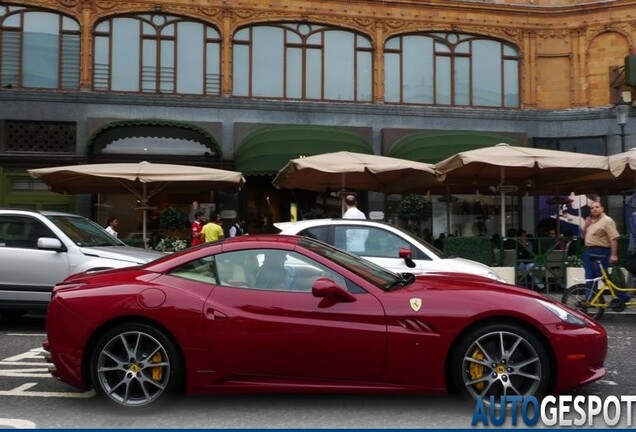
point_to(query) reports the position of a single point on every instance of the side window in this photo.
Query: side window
(385, 244)
(304, 271)
(318, 233)
(352, 239)
(38, 229)
(238, 268)
(22, 232)
(202, 270)
(272, 269)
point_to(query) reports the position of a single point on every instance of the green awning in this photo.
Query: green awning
(434, 146)
(151, 128)
(268, 149)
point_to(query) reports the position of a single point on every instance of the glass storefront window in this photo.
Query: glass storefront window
(464, 215)
(39, 49)
(302, 61)
(156, 53)
(451, 69)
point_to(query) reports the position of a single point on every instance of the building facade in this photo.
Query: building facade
(249, 85)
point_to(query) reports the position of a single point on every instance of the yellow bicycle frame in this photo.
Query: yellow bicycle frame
(606, 284)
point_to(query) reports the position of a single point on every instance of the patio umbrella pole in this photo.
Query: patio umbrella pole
(558, 215)
(145, 206)
(503, 203)
(343, 207)
(448, 211)
(580, 218)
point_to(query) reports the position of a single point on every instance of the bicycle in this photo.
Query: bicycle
(591, 301)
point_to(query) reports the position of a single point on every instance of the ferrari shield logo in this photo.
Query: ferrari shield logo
(416, 304)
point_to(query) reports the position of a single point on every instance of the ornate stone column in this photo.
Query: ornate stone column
(86, 47)
(227, 20)
(378, 62)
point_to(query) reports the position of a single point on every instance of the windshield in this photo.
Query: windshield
(375, 274)
(84, 232)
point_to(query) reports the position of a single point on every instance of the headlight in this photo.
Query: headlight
(562, 314)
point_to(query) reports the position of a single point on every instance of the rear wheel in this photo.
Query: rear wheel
(579, 296)
(500, 359)
(135, 365)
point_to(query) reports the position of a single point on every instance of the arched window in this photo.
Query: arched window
(38, 49)
(302, 61)
(155, 53)
(451, 69)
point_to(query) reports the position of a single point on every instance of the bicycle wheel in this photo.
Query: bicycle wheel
(579, 296)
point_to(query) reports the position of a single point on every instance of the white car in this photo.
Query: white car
(40, 249)
(386, 245)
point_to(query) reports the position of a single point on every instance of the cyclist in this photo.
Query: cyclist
(601, 239)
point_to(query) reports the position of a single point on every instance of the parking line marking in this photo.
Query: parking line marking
(34, 353)
(23, 391)
(27, 334)
(17, 423)
(10, 363)
(26, 373)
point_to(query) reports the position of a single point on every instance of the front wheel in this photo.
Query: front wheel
(579, 297)
(135, 365)
(500, 359)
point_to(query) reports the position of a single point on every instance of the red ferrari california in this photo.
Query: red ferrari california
(273, 313)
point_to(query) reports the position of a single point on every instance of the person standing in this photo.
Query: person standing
(213, 230)
(238, 229)
(356, 237)
(197, 228)
(601, 238)
(111, 226)
(352, 211)
(525, 260)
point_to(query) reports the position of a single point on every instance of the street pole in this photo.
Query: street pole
(622, 125)
(622, 116)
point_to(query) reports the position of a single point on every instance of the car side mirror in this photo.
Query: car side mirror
(50, 243)
(329, 289)
(406, 254)
(409, 278)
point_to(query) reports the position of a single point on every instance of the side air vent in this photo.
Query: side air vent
(415, 325)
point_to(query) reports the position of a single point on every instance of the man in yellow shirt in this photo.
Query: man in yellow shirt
(213, 230)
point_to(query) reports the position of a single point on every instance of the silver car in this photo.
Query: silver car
(386, 245)
(40, 249)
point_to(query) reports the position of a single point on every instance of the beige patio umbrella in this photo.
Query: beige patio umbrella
(143, 179)
(623, 169)
(619, 178)
(354, 171)
(510, 169)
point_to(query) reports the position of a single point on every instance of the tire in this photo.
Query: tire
(135, 366)
(577, 297)
(479, 369)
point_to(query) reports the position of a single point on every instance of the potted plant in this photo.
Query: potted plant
(413, 210)
(172, 219)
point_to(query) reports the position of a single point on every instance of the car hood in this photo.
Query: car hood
(450, 281)
(123, 253)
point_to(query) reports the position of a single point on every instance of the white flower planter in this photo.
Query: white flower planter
(574, 275)
(508, 273)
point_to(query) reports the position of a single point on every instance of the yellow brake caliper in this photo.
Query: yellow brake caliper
(157, 372)
(477, 370)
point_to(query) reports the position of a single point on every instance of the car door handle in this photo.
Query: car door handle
(214, 314)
